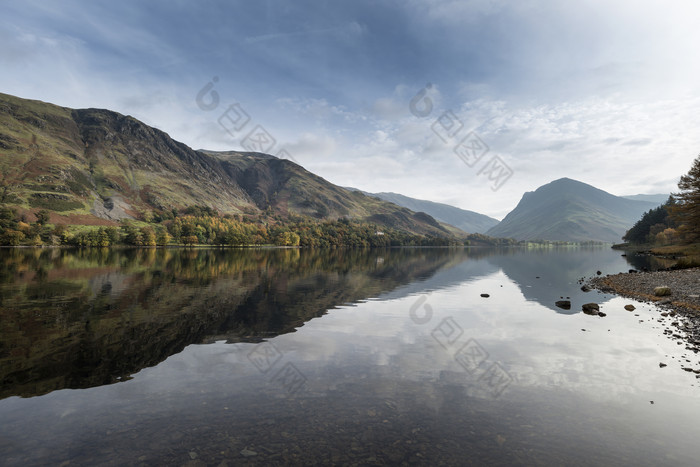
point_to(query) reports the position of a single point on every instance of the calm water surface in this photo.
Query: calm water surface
(369, 357)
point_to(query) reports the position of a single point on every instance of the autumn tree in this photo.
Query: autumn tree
(652, 223)
(686, 211)
(148, 236)
(162, 236)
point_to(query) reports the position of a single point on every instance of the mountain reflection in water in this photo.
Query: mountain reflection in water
(364, 332)
(82, 318)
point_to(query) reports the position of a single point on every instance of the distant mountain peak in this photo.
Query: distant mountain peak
(568, 183)
(569, 210)
(468, 221)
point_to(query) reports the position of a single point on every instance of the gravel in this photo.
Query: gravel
(684, 300)
(684, 284)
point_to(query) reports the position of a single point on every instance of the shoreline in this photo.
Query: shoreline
(684, 284)
(684, 301)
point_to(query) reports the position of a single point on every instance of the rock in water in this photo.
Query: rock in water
(629, 307)
(591, 308)
(662, 291)
(485, 295)
(585, 288)
(564, 304)
(248, 453)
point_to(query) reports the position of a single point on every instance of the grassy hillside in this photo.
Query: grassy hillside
(95, 167)
(568, 210)
(288, 188)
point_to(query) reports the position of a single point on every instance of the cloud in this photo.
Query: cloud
(604, 91)
(318, 110)
(346, 32)
(595, 140)
(311, 146)
(389, 108)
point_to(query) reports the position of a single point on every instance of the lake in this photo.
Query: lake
(371, 357)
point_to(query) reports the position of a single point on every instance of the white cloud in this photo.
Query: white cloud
(603, 91)
(347, 32)
(310, 147)
(319, 111)
(618, 146)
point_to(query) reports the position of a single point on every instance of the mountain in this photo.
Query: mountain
(659, 199)
(468, 221)
(95, 166)
(569, 210)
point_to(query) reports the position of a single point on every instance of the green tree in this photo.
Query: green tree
(652, 222)
(132, 235)
(162, 236)
(12, 237)
(148, 236)
(8, 217)
(102, 238)
(176, 230)
(113, 234)
(190, 240)
(42, 217)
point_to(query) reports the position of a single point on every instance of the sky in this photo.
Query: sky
(469, 103)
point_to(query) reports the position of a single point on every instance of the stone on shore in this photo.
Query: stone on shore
(591, 308)
(662, 291)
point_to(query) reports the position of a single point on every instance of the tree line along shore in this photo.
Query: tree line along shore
(199, 225)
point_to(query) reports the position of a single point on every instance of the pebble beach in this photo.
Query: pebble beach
(683, 301)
